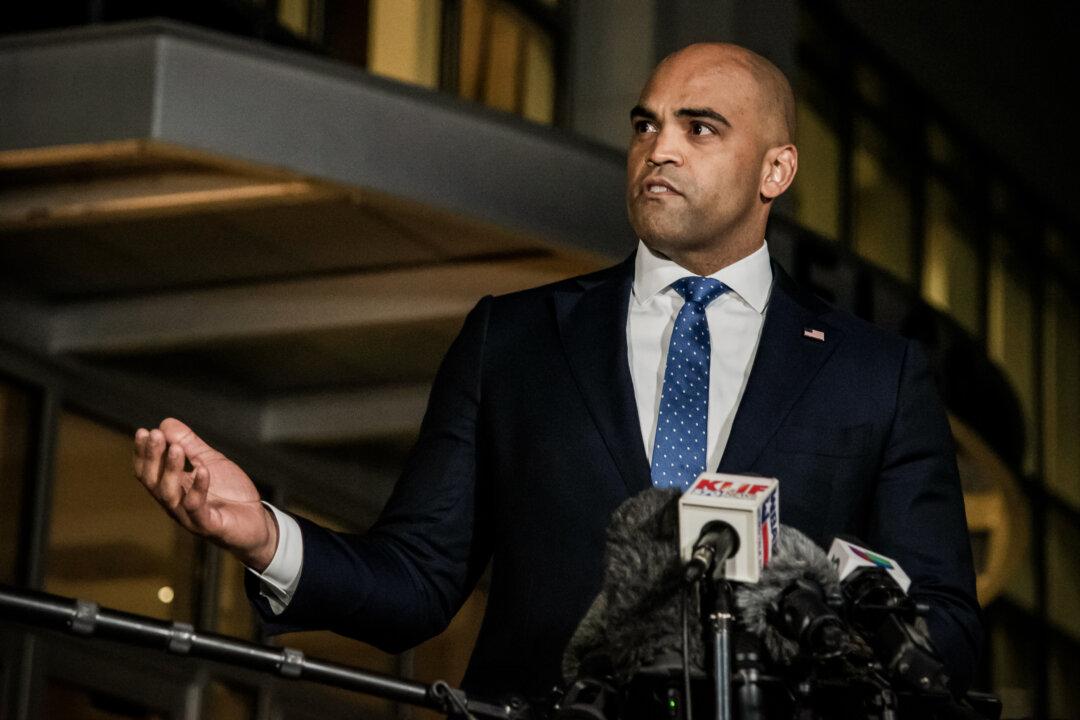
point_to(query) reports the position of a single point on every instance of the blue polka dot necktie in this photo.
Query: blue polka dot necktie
(679, 450)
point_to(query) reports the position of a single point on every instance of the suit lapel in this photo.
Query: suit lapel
(592, 325)
(785, 364)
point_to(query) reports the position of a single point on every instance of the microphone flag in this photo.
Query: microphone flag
(847, 557)
(750, 504)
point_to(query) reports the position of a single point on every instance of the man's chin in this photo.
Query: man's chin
(663, 241)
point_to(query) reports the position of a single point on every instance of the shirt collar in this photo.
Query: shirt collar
(750, 278)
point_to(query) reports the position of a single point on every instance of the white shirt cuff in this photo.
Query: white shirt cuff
(282, 576)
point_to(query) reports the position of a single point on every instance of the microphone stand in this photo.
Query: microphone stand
(86, 619)
(721, 619)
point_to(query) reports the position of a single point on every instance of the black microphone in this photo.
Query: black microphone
(635, 623)
(874, 588)
(717, 543)
(794, 610)
(791, 607)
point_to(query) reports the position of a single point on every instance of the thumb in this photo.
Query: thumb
(180, 434)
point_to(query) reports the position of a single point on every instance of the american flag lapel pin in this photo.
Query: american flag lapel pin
(814, 334)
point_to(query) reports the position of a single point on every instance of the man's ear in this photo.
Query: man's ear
(781, 164)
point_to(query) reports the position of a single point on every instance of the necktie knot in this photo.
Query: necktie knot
(700, 290)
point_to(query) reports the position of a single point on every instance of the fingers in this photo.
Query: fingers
(177, 432)
(174, 481)
(150, 448)
(194, 503)
(159, 466)
(138, 448)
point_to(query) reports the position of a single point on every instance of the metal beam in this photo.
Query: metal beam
(192, 318)
(336, 417)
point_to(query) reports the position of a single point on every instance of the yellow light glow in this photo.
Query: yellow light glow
(165, 594)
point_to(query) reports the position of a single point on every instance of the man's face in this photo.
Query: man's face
(697, 156)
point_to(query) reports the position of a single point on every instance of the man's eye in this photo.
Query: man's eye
(701, 129)
(644, 126)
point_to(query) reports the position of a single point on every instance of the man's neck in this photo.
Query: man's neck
(708, 261)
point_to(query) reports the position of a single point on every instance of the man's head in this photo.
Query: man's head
(712, 147)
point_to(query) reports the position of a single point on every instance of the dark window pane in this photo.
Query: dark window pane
(64, 700)
(950, 279)
(1011, 334)
(108, 540)
(1061, 392)
(817, 184)
(14, 457)
(225, 701)
(881, 203)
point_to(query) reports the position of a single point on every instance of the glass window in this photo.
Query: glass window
(881, 203)
(108, 540)
(871, 86)
(506, 61)
(1063, 670)
(1010, 334)
(817, 184)
(404, 40)
(234, 614)
(538, 95)
(1061, 392)
(1014, 659)
(999, 521)
(61, 699)
(225, 701)
(950, 279)
(14, 458)
(1062, 573)
(342, 27)
(295, 15)
(941, 145)
(1063, 253)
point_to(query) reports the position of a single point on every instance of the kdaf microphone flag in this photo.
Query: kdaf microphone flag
(751, 505)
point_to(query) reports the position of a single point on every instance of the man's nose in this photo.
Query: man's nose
(665, 149)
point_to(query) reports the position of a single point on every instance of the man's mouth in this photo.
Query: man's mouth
(657, 186)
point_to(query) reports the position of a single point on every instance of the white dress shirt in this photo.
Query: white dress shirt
(735, 321)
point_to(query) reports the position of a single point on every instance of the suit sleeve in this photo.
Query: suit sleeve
(402, 581)
(918, 515)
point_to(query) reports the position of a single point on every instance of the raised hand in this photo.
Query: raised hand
(215, 499)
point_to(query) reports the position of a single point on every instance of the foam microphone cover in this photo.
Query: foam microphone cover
(636, 620)
(797, 557)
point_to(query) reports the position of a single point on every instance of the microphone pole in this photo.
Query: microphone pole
(718, 542)
(84, 618)
(721, 619)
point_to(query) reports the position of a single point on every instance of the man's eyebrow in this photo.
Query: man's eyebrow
(702, 113)
(639, 111)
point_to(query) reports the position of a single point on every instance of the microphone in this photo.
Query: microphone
(792, 610)
(635, 622)
(717, 542)
(625, 658)
(728, 526)
(791, 605)
(875, 590)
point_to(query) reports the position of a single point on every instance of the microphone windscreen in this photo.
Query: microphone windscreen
(636, 620)
(797, 557)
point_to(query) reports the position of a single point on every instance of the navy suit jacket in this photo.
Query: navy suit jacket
(531, 439)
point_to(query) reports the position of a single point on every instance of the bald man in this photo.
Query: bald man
(556, 404)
